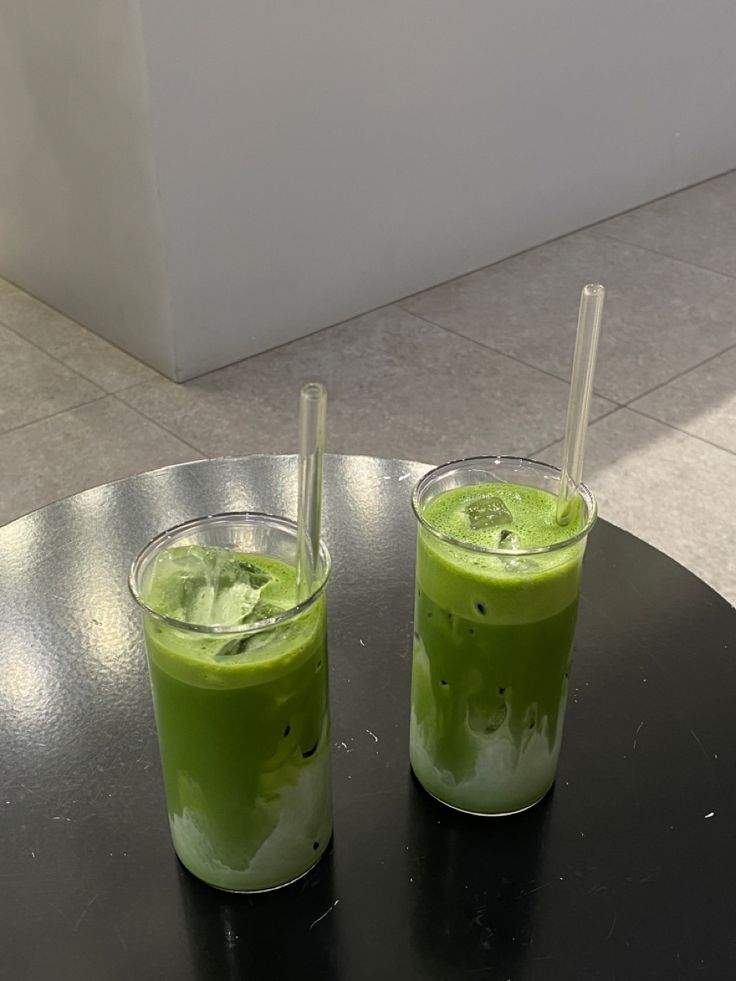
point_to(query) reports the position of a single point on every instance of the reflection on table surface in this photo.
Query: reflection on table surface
(620, 866)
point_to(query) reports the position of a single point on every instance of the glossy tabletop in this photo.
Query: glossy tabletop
(625, 871)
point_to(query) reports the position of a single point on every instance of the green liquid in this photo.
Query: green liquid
(244, 740)
(492, 648)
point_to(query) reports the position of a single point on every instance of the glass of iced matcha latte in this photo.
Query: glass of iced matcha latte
(238, 667)
(497, 584)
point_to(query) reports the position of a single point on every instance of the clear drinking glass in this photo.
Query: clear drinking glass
(493, 635)
(241, 707)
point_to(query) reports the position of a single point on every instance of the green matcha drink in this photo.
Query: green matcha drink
(497, 583)
(239, 680)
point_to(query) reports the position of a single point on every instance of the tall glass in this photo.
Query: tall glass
(241, 708)
(493, 635)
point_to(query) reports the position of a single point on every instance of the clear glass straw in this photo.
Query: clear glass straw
(581, 388)
(312, 410)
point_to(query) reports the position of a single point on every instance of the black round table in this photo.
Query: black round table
(625, 871)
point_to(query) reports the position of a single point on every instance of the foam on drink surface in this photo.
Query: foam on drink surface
(211, 586)
(498, 515)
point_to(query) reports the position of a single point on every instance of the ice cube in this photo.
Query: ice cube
(507, 539)
(520, 564)
(252, 643)
(488, 512)
(178, 576)
(485, 718)
(206, 585)
(497, 718)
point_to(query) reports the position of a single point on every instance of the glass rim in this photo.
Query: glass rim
(582, 490)
(256, 626)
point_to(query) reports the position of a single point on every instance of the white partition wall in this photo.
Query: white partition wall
(202, 181)
(80, 223)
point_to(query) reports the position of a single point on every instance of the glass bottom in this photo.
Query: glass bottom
(254, 892)
(484, 814)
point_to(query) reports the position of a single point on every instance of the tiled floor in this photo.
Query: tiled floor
(476, 365)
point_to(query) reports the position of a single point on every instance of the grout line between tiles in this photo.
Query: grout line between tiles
(143, 381)
(646, 415)
(158, 424)
(605, 415)
(399, 301)
(53, 415)
(53, 357)
(503, 354)
(573, 231)
(69, 367)
(680, 374)
(607, 398)
(677, 429)
(664, 255)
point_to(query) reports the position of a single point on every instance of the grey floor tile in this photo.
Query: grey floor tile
(698, 225)
(398, 387)
(77, 449)
(662, 316)
(6, 287)
(81, 349)
(701, 402)
(33, 385)
(670, 489)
